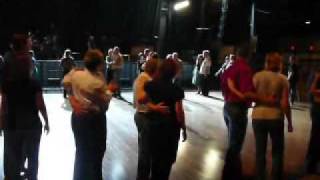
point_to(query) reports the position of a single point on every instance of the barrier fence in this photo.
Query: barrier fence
(50, 73)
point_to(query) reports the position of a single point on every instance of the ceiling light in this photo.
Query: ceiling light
(181, 5)
(307, 22)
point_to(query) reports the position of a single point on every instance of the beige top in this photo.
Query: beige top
(138, 91)
(87, 86)
(205, 67)
(118, 61)
(269, 83)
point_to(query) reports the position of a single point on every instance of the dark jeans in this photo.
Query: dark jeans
(90, 139)
(274, 128)
(116, 77)
(293, 92)
(144, 154)
(313, 155)
(16, 143)
(164, 140)
(205, 84)
(65, 72)
(109, 75)
(235, 116)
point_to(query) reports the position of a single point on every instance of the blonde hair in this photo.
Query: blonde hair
(274, 61)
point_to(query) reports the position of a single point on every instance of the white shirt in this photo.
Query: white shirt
(205, 67)
(269, 83)
(180, 67)
(86, 86)
(138, 91)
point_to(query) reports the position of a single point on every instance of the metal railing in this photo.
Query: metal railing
(50, 73)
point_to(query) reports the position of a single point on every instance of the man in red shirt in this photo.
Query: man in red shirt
(236, 83)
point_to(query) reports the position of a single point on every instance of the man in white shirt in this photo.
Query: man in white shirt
(179, 76)
(205, 70)
(142, 121)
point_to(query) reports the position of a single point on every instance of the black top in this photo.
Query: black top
(67, 63)
(22, 111)
(295, 74)
(169, 93)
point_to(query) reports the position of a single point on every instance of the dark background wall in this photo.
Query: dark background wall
(130, 22)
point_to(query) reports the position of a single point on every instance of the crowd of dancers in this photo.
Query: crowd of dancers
(159, 117)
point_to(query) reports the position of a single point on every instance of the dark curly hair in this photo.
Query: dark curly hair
(168, 69)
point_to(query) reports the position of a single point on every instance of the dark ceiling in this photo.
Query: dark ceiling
(131, 21)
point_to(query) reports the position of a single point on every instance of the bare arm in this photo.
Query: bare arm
(181, 118)
(43, 110)
(285, 106)
(143, 98)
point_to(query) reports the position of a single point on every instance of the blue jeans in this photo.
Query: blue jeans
(262, 129)
(235, 116)
(313, 156)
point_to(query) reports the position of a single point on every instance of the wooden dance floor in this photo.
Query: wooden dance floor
(200, 158)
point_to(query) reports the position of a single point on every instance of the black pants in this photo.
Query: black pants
(144, 149)
(293, 92)
(205, 84)
(165, 134)
(262, 129)
(313, 156)
(16, 143)
(90, 139)
(109, 75)
(65, 72)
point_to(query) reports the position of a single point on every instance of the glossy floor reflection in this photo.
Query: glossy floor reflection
(200, 158)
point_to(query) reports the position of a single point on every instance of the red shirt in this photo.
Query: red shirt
(241, 74)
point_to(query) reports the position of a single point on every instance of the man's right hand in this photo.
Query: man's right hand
(270, 100)
(77, 107)
(161, 108)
